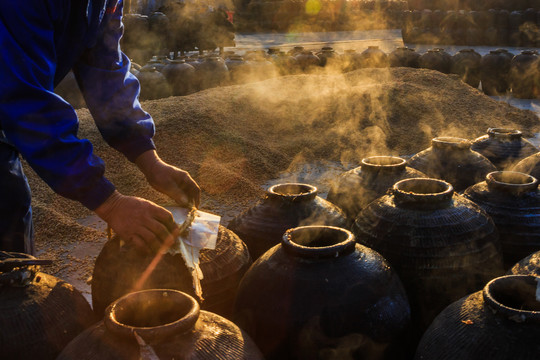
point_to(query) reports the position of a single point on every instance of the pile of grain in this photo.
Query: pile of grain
(234, 139)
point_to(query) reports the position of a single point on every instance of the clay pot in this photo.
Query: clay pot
(320, 293)
(239, 69)
(503, 147)
(39, 313)
(523, 74)
(180, 76)
(155, 63)
(286, 64)
(284, 206)
(494, 73)
(119, 270)
(373, 57)
(500, 322)
(307, 61)
(512, 200)
(169, 324)
(355, 189)
(213, 72)
(329, 58)
(527, 266)
(436, 59)
(351, 60)
(153, 84)
(530, 165)
(451, 159)
(403, 57)
(466, 64)
(442, 245)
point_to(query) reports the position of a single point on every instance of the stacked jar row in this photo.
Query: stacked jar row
(491, 27)
(473, 4)
(499, 72)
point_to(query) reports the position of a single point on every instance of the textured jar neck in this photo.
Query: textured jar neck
(447, 144)
(511, 182)
(291, 193)
(153, 314)
(504, 134)
(318, 242)
(423, 193)
(514, 297)
(390, 164)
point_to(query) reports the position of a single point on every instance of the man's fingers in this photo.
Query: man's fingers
(165, 217)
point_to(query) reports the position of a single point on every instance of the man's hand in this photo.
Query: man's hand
(169, 180)
(145, 224)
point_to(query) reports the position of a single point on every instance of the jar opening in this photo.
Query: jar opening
(504, 133)
(511, 181)
(422, 186)
(384, 161)
(447, 142)
(318, 241)
(292, 189)
(144, 312)
(517, 296)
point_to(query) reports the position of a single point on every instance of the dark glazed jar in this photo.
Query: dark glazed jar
(153, 84)
(466, 64)
(435, 59)
(180, 76)
(512, 199)
(350, 60)
(530, 165)
(495, 72)
(320, 293)
(119, 270)
(373, 57)
(451, 159)
(239, 69)
(355, 189)
(500, 322)
(403, 57)
(161, 324)
(523, 74)
(39, 313)
(503, 147)
(307, 61)
(213, 72)
(284, 206)
(442, 245)
(527, 266)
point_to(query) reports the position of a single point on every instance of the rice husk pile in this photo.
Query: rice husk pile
(234, 139)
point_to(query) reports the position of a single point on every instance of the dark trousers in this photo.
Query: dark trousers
(16, 228)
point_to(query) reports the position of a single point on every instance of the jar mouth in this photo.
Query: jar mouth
(448, 142)
(153, 314)
(384, 163)
(511, 181)
(516, 297)
(503, 133)
(422, 191)
(318, 241)
(292, 192)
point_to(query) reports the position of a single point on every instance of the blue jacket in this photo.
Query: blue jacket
(40, 41)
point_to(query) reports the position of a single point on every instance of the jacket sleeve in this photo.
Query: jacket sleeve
(111, 91)
(40, 124)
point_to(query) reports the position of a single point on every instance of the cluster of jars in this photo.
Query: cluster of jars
(403, 259)
(463, 27)
(473, 4)
(326, 15)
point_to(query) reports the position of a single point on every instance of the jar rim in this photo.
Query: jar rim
(384, 162)
(500, 292)
(186, 314)
(318, 241)
(447, 142)
(511, 181)
(292, 192)
(422, 191)
(504, 133)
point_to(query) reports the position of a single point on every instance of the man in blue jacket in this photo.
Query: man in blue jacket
(40, 41)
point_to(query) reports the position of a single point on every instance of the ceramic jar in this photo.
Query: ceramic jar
(39, 313)
(283, 207)
(512, 200)
(373, 57)
(530, 165)
(161, 324)
(403, 57)
(213, 72)
(529, 265)
(355, 189)
(500, 322)
(494, 73)
(503, 147)
(451, 159)
(153, 84)
(119, 270)
(319, 293)
(466, 64)
(442, 245)
(524, 74)
(180, 76)
(435, 59)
